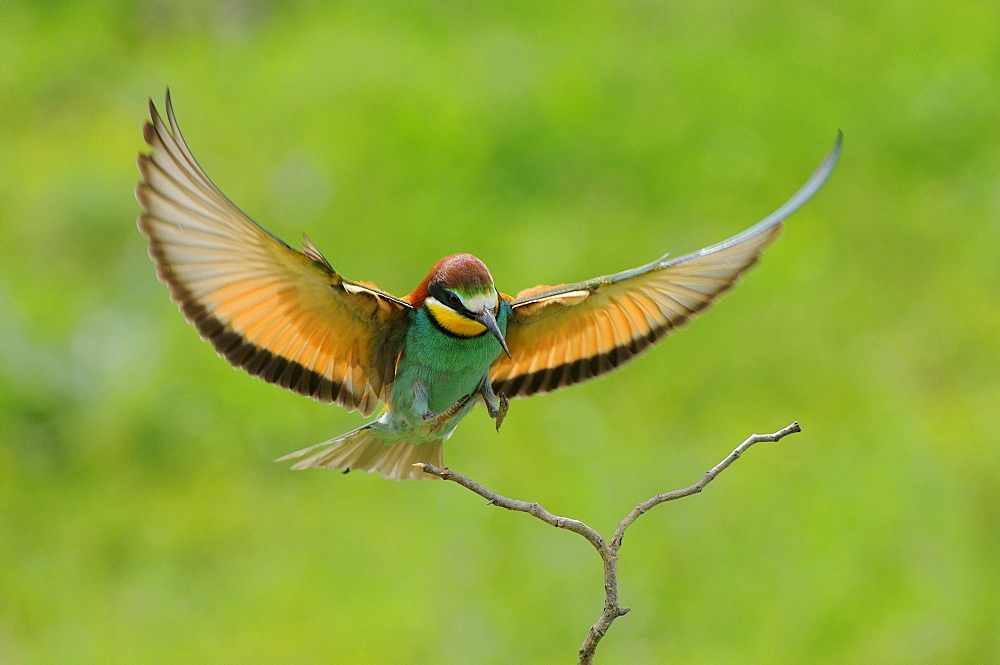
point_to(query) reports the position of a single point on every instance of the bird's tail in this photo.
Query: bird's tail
(362, 449)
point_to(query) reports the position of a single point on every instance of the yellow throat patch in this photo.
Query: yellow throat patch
(454, 323)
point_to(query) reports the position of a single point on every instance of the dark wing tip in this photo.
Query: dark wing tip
(142, 162)
(142, 194)
(170, 114)
(154, 114)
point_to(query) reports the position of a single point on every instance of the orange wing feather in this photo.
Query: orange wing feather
(282, 315)
(563, 335)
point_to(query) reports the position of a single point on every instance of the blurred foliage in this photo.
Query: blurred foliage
(141, 518)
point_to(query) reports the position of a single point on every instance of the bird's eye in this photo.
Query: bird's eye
(454, 300)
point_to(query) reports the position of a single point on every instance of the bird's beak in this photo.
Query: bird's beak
(486, 318)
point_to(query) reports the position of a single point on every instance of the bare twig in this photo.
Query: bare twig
(608, 552)
(616, 541)
(533, 509)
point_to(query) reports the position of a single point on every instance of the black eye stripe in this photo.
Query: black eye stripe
(445, 298)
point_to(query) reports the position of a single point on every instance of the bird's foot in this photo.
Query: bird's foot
(496, 403)
(500, 412)
(447, 414)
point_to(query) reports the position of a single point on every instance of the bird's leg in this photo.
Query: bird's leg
(448, 413)
(496, 404)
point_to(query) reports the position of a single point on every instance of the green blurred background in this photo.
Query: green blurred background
(141, 517)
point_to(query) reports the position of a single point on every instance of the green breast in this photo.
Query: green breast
(446, 367)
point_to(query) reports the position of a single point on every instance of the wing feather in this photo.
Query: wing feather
(282, 315)
(563, 335)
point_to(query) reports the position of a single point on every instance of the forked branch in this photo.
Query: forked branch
(607, 551)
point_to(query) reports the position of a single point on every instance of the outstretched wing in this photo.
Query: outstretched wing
(283, 315)
(563, 335)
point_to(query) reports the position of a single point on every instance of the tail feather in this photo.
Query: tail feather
(362, 450)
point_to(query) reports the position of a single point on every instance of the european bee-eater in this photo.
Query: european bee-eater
(289, 318)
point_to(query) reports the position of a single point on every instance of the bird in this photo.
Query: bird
(428, 358)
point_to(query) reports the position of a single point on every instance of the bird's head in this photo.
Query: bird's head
(460, 297)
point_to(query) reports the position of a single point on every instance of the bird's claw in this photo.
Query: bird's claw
(500, 412)
(447, 414)
(496, 403)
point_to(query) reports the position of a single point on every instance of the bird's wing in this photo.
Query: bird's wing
(283, 315)
(563, 335)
